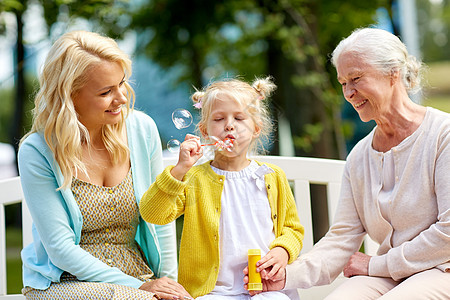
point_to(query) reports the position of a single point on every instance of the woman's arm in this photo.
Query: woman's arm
(53, 217)
(328, 257)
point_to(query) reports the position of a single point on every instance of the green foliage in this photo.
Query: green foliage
(104, 15)
(5, 113)
(13, 261)
(7, 108)
(12, 5)
(312, 134)
(289, 39)
(9, 6)
(434, 29)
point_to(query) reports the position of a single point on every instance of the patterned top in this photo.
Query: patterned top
(110, 218)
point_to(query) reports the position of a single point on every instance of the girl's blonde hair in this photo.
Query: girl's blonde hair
(63, 75)
(250, 96)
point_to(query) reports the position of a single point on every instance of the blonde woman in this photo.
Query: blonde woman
(84, 166)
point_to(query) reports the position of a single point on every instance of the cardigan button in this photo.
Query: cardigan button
(268, 186)
(275, 216)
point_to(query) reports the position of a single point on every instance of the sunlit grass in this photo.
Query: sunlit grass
(13, 261)
(437, 86)
(441, 102)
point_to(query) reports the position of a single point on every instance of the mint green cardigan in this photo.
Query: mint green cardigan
(57, 220)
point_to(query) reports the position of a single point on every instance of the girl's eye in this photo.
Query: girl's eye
(218, 119)
(356, 78)
(121, 83)
(105, 93)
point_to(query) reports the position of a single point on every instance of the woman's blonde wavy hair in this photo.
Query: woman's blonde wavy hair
(250, 96)
(64, 73)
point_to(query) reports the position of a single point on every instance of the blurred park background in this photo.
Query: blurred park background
(179, 45)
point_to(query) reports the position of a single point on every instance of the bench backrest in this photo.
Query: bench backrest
(301, 171)
(11, 193)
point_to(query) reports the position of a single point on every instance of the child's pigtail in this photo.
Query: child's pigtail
(264, 87)
(197, 99)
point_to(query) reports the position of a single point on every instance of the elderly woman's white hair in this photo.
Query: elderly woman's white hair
(384, 51)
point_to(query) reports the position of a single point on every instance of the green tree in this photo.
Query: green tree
(289, 39)
(434, 29)
(15, 119)
(17, 8)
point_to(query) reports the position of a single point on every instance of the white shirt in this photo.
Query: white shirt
(245, 223)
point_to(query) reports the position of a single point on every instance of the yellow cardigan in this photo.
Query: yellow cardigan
(198, 197)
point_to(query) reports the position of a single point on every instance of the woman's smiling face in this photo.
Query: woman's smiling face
(101, 99)
(367, 89)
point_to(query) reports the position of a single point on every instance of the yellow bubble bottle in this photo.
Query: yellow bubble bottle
(254, 278)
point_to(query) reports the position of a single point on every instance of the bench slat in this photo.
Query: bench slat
(300, 171)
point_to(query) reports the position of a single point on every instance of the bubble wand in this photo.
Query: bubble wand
(227, 144)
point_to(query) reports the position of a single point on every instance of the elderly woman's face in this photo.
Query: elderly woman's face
(367, 89)
(100, 100)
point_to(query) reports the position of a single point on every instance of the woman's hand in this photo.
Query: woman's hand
(358, 264)
(274, 261)
(190, 152)
(276, 283)
(166, 288)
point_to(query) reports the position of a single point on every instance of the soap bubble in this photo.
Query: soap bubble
(173, 145)
(182, 118)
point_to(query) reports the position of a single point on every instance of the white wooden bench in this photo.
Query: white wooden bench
(11, 193)
(301, 171)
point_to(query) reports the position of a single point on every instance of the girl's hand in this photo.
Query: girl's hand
(358, 264)
(166, 288)
(272, 263)
(190, 153)
(276, 283)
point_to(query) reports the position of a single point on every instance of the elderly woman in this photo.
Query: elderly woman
(396, 185)
(84, 167)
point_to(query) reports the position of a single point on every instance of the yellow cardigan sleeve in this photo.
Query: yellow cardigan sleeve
(164, 201)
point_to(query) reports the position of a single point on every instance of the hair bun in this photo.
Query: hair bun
(264, 87)
(197, 96)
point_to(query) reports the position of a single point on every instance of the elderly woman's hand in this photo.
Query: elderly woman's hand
(276, 283)
(166, 288)
(358, 264)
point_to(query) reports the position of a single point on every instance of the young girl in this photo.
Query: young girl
(230, 204)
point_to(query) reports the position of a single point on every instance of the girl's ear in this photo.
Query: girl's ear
(257, 131)
(203, 130)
